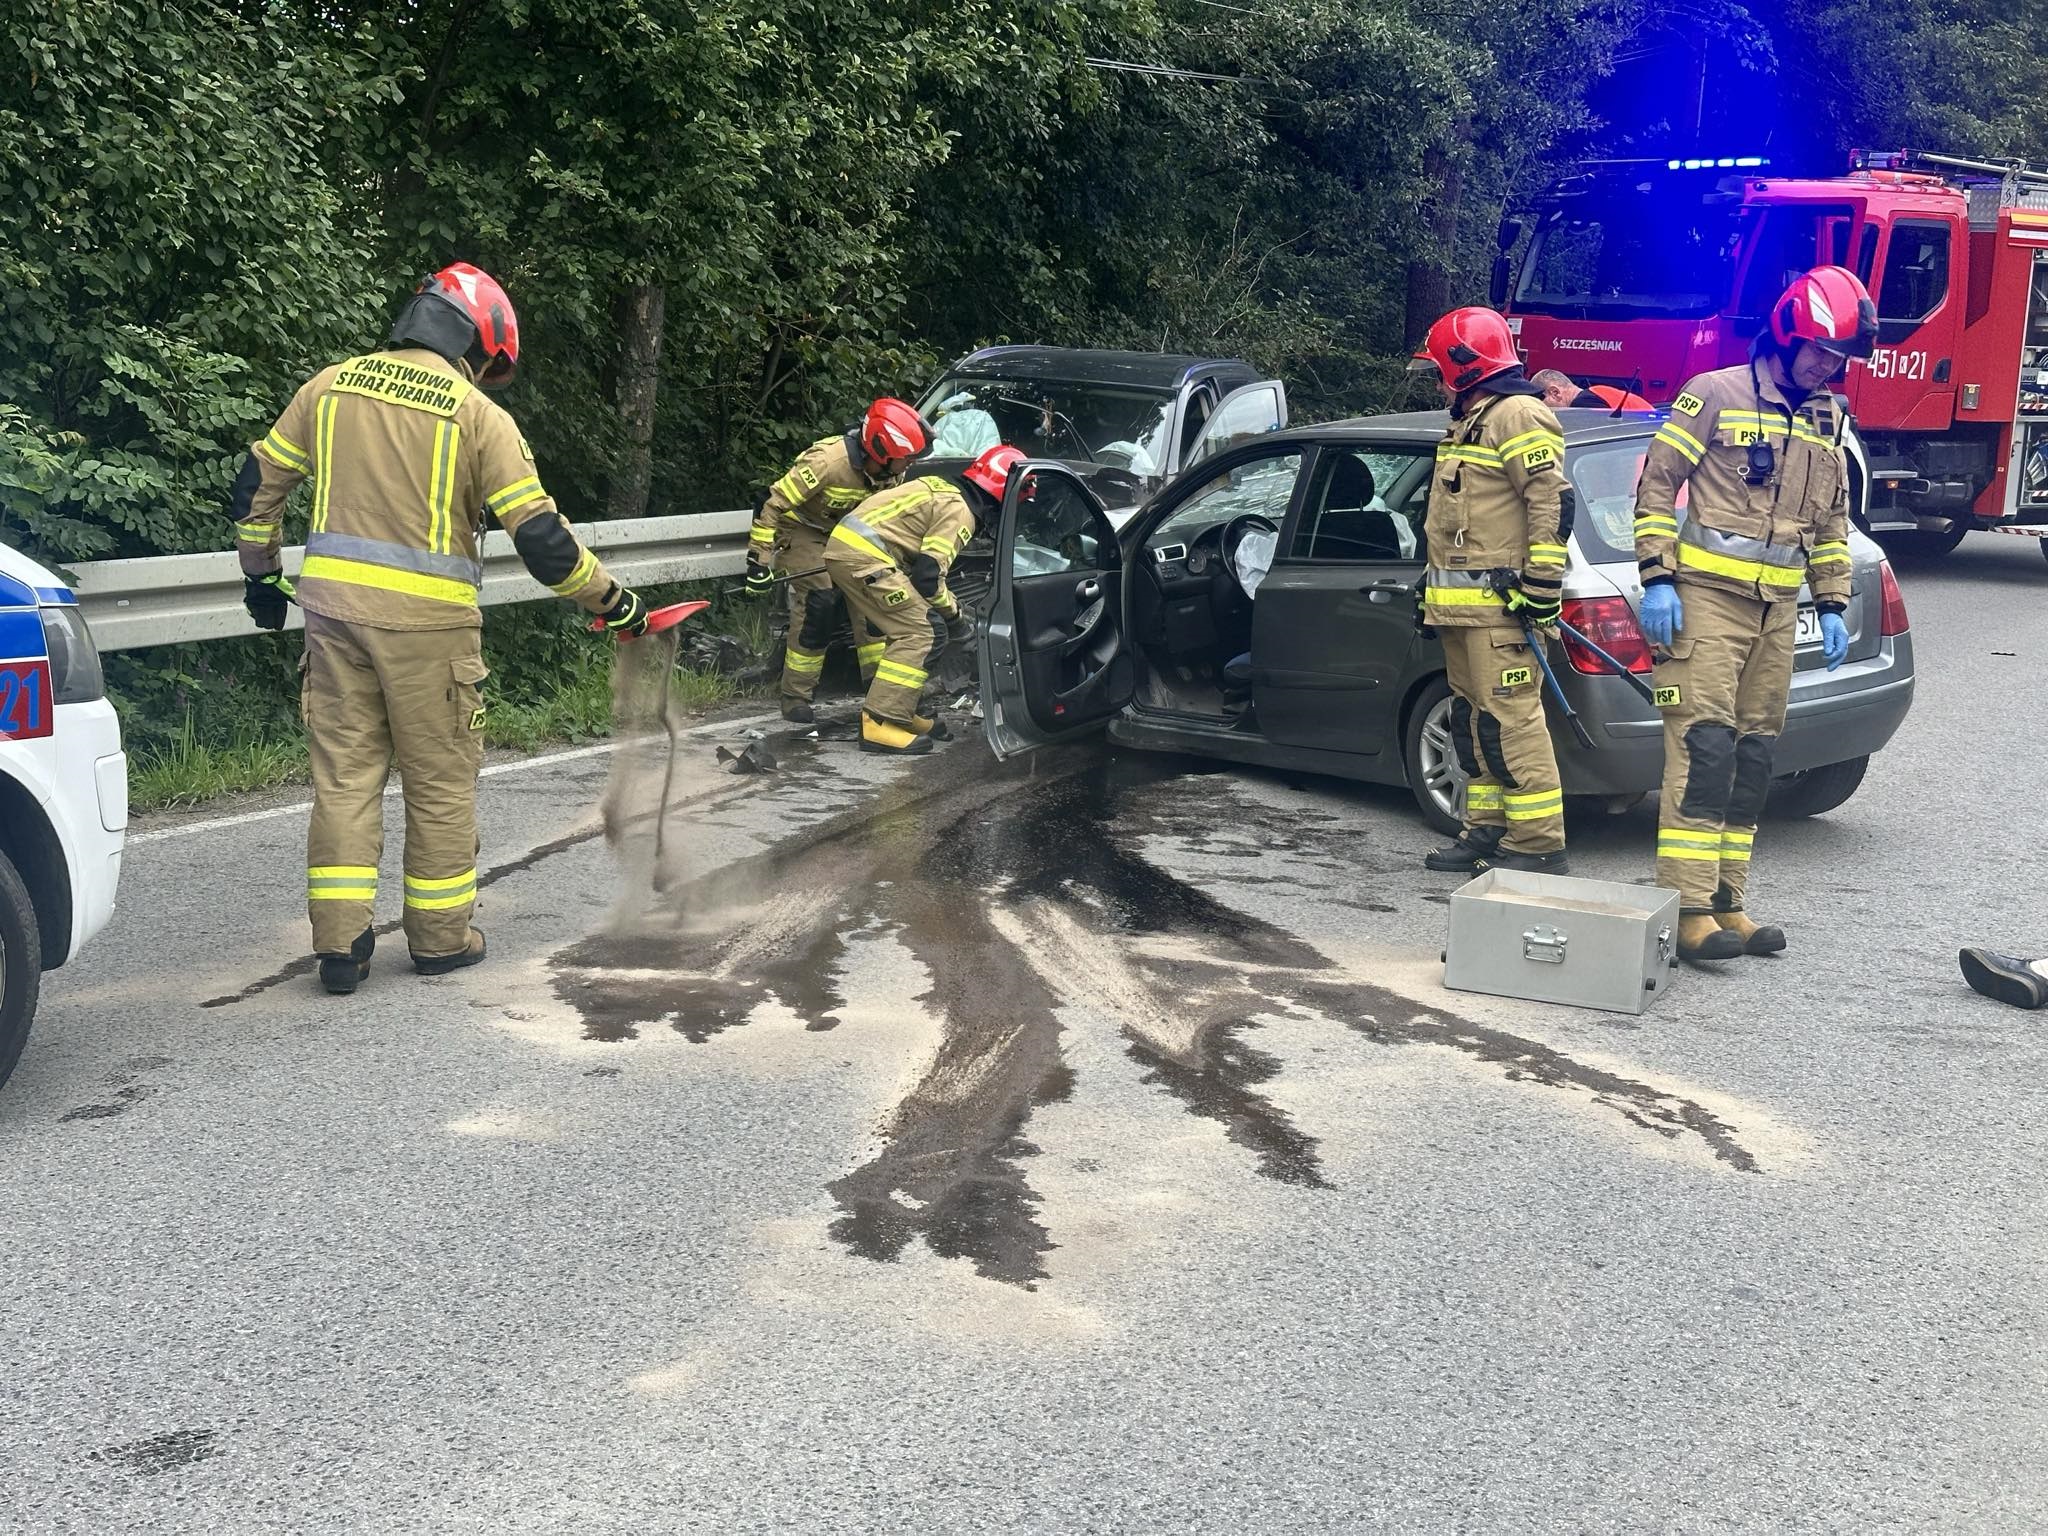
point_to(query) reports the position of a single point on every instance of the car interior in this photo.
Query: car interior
(1194, 594)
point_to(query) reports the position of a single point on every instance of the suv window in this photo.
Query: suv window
(1364, 504)
(1605, 477)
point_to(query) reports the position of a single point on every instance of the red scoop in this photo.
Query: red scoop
(665, 618)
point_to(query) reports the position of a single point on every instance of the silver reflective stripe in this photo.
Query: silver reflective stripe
(342, 883)
(1740, 547)
(855, 525)
(349, 546)
(1443, 578)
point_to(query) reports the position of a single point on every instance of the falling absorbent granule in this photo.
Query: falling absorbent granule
(640, 794)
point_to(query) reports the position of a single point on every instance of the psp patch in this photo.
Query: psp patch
(1688, 405)
(1667, 698)
(895, 596)
(1540, 457)
(1517, 677)
(476, 719)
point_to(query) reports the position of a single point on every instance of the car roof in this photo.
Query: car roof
(1084, 365)
(1580, 427)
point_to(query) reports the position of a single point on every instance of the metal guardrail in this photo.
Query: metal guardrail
(164, 599)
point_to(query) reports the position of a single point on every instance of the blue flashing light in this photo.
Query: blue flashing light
(1723, 163)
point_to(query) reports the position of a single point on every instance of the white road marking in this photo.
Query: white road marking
(519, 765)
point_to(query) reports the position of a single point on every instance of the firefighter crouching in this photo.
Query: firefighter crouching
(1498, 530)
(406, 455)
(828, 480)
(1758, 449)
(889, 558)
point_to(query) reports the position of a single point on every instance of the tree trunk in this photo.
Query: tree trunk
(639, 313)
(1429, 276)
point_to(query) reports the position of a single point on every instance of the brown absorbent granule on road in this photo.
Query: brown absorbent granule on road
(646, 772)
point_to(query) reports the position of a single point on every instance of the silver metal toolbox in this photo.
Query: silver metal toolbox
(1554, 939)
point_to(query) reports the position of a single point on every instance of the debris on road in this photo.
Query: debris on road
(753, 758)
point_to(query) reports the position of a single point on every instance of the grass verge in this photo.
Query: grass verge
(181, 769)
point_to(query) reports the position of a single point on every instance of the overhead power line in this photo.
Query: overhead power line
(1161, 71)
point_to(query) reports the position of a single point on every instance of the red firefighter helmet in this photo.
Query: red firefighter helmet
(1468, 346)
(892, 431)
(991, 472)
(492, 327)
(1829, 307)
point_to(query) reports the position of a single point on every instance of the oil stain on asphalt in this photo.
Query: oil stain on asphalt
(1023, 893)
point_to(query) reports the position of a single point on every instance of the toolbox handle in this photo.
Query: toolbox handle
(1544, 944)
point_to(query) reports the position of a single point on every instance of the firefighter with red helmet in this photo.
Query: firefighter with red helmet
(1756, 451)
(889, 557)
(1499, 529)
(406, 457)
(829, 479)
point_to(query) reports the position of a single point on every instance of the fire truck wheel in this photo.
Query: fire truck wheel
(1918, 544)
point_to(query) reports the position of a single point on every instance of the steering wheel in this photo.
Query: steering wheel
(1233, 535)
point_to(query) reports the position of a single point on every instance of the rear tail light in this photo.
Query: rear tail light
(1894, 620)
(1610, 624)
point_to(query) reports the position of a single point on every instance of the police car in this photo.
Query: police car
(63, 790)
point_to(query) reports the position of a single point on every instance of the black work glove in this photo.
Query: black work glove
(1541, 609)
(926, 576)
(267, 598)
(959, 629)
(626, 618)
(759, 579)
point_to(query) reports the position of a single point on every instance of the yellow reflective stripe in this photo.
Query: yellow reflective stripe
(1482, 797)
(341, 893)
(1652, 525)
(1548, 554)
(1741, 570)
(441, 491)
(934, 544)
(517, 494)
(1674, 436)
(896, 672)
(255, 533)
(358, 573)
(868, 653)
(1829, 560)
(1692, 835)
(1534, 805)
(1540, 436)
(283, 448)
(788, 488)
(440, 903)
(866, 546)
(1469, 453)
(339, 871)
(760, 535)
(844, 496)
(440, 883)
(323, 458)
(1462, 597)
(794, 660)
(577, 579)
(1694, 855)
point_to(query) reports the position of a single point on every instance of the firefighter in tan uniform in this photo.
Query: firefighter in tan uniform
(889, 558)
(1499, 527)
(828, 480)
(406, 457)
(1757, 451)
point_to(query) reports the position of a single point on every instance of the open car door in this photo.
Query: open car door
(1052, 654)
(1249, 411)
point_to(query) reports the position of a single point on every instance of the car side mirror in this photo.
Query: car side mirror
(1507, 234)
(1497, 289)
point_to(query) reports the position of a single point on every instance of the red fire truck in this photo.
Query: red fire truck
(1643, 273)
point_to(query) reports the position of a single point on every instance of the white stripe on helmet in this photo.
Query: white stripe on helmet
(1817, 306)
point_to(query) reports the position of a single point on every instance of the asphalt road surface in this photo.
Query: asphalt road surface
(937, 1147)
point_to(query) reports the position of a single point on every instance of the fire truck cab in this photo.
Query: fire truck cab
(1644, 273)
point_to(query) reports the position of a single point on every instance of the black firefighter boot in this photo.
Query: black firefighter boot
(341, 974)
(799, 711)
(1463, 856)
(440, 965)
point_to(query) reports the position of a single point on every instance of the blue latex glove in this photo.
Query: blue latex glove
(1663, 616)
(1834, 639)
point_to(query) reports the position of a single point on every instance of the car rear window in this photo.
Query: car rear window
(1605, 477)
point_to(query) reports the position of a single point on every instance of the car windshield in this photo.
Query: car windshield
(1642, 253)
(1051, 419)
(1604, 475)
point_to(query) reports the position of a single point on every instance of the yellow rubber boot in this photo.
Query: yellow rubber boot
(1756, 939)
(1701, 937)
(881, 736)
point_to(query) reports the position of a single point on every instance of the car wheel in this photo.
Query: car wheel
(21, 966)
(1434, 777)
(1918, 544)
(1817, 789)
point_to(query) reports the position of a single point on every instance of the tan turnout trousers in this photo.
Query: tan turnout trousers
(800, 547)
(1722, 693)
(372, 697)
(1501, 737)
(912, 632)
